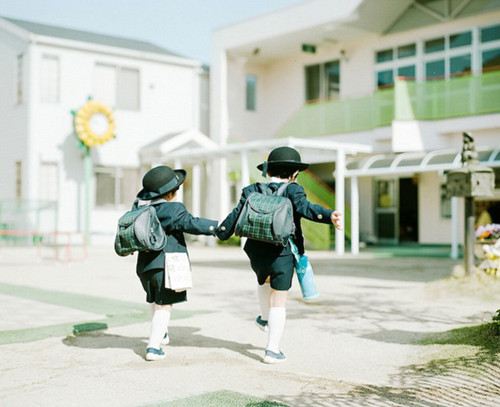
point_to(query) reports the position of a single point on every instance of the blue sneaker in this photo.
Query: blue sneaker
(154, 354)
(165, 340)
(273, 357)
(262, 324)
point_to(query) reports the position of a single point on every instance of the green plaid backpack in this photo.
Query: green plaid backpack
(266, 216)
(139, 230)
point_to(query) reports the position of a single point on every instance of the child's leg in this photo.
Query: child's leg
(159, 324)
(277, 318)
(264, 293)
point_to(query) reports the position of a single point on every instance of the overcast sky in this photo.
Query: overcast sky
(180, 26)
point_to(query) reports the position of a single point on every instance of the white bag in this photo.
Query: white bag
(178, 272)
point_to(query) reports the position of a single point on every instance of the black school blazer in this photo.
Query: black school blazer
(175, 220)
(302, 208)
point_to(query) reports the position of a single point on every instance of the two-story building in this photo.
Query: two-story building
(159, 102)
(404, 77)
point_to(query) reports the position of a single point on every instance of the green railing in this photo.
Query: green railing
(320, 236)
(462, 96)
(341, 116)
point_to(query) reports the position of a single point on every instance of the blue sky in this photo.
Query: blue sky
(181, 26)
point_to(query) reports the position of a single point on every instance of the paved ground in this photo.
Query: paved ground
(358, 345)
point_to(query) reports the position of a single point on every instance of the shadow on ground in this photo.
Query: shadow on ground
(472, 381)
(180, 336)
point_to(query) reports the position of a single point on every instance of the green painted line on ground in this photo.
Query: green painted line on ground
(118, 313)
(217, 399)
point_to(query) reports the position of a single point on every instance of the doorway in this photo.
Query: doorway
(396, 210)
(408, 209)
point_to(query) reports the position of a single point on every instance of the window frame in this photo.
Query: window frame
(118, 69)
(323, 82)
(58, 79)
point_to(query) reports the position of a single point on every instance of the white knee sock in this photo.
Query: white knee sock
(276, 324)
(159, 325)
(264, 291)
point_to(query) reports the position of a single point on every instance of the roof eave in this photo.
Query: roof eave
(110, 50)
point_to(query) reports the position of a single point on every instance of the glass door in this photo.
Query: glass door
(386, 210)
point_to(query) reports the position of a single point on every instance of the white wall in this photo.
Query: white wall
(169, 101)
(13, 117)
(433, 228)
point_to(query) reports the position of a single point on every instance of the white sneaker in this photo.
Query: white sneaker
(165, 340)
(273, 357)
(154, 354)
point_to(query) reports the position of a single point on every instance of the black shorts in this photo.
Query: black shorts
(279, 268)
(153, 282)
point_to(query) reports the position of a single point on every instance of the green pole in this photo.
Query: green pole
(87, 162)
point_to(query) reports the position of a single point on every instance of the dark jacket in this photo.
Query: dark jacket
(175, 219)
(302, 208)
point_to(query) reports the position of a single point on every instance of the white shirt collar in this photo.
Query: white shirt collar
(276, 179)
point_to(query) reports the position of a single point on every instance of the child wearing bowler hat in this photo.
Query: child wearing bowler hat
(272, 264)
(160, 186)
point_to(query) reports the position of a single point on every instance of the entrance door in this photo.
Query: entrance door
(386, 210)
(408, 210)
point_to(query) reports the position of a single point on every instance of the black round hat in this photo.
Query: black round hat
(159, 181)
(281, 157)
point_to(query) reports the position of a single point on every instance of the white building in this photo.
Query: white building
(46, 73)
(327, 71)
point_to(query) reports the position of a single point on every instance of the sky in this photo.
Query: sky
(181, 26)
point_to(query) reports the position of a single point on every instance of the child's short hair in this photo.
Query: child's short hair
(281, 172)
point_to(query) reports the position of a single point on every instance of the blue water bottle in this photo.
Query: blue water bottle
(305, 275)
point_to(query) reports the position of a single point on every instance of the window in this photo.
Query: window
(490, 47)
(435, 69)
(127, 95)
(251, 92)
(434, 45)
(117, 86)
(407, 51)
(385, 79)
(394, 62)
(461, 40)
(115, 186)
(460, 65)
(19, 91)
(48, 182)
(49, 79)
(322, 81)
(19, 179)
(491, 33)
(491, 59)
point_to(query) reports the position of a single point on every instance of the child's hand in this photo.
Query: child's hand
(336, 218)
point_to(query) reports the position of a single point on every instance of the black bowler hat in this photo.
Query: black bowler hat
(159, 181)
(283, 157)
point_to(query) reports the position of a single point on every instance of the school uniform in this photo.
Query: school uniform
(175, 220)
(268, 259)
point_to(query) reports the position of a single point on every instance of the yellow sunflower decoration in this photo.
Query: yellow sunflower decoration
(94, 124)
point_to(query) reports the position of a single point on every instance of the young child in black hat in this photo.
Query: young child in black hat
(160, 186)
(273, 264)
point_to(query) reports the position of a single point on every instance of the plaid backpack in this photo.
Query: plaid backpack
(266, 216)
(139, 230)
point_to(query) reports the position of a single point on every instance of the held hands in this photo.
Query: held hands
(336, 218)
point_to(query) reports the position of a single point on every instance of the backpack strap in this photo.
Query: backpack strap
(281, 189)
(264, 188)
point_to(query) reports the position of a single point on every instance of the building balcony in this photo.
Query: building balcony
(407, 100)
